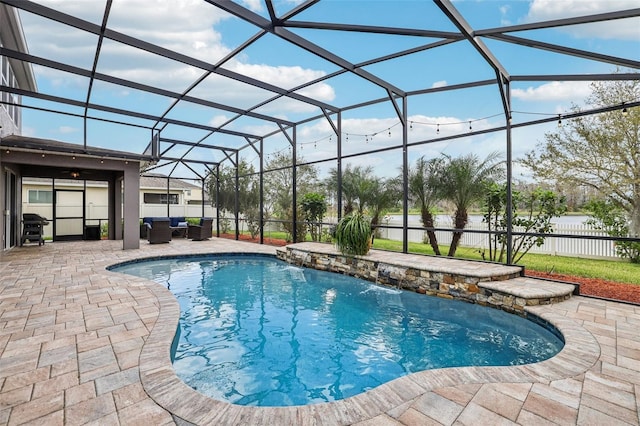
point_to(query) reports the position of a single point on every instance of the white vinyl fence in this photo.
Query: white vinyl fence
(552, 245)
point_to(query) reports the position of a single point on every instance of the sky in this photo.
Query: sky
(198, 29)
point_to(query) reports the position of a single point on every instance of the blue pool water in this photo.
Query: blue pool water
(258, 331)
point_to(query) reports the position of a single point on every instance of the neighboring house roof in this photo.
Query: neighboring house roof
(149, 180)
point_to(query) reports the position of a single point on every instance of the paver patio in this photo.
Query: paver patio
(82, 345)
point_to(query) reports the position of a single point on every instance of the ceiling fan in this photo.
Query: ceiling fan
(76, 173)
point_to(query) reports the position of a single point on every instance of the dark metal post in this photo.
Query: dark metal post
(339, 165)
(203, 187)
(168, 194)
(294, 191)
(261, 191)
(236, 206)
(405, 178)
(218, 200)
(509, 202)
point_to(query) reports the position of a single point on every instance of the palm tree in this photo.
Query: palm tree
(353, 185)
(364, 192)
(378, 195)
(424, 189)
(464, 181)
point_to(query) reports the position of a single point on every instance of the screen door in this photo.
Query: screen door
(68, 215)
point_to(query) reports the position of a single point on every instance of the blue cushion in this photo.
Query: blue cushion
(175, 221)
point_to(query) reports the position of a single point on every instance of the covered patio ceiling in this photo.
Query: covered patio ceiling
(192, 100)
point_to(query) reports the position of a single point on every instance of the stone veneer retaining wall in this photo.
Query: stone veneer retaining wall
(446, 284)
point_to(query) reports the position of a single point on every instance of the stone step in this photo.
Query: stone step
(485, 283)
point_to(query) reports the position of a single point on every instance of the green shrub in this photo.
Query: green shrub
(353, 234)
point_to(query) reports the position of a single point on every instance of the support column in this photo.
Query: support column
(131, 208)
(509, 201)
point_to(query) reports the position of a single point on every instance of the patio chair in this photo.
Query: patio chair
(159, 230)
(202, 231)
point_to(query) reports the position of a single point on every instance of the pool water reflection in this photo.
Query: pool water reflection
(257, 331)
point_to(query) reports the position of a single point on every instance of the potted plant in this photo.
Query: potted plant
(353, 234)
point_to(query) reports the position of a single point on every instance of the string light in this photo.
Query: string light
(369, 136)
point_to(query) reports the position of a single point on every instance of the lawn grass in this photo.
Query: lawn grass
(610, 270)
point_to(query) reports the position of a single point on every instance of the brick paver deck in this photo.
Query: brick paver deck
(81, 345)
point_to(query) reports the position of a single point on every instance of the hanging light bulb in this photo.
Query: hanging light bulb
(624, 109)
(559, 120)
(389, 132)
(470, 125)
(438, 128)
(411, 125)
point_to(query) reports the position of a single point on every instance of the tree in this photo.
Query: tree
(351, 184)
(598, 151)
(464, 181)
(538, 207)
(313, 207)
(425, 193)
(278, 189)
(609, 218)
(248, 192)
(364, 192)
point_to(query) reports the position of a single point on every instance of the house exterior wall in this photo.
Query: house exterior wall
(20, 75)
(96, 208)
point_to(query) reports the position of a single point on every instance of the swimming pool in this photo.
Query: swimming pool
(258, 331)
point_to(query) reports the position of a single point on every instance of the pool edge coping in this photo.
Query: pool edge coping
(159, 380)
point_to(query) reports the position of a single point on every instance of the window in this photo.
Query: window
(9, 100)
(39, 196)
(152, 198)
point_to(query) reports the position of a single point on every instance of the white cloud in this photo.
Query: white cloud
(554, 91)
(67, 129)
(254, 5)
(218, 120)
(504, 12)
(441, 83)
(627, 29)
(287, 77)
(187, 26)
